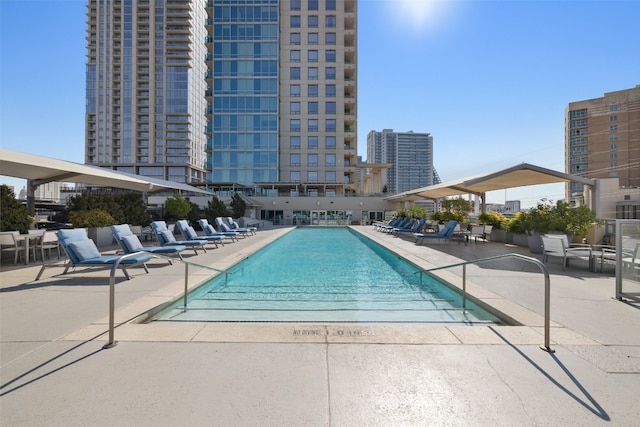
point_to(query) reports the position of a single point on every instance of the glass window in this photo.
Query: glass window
(613, 127)
(312, 125)
(295, 176)
(613, 137)
(313, 21)
(330, 5)
(330, 142)
(330, 91)
(330, 125)
(313, 38)
(312, 176)
(313, 56)
(313, 4)
(294, 56)
(312, 108)
(330, 159)
(312, 160)
(294, 73)
(312, 90)
(295, 4)
(295, 38)
(295, 21)
(295, 125)
(294, 90)
(295, 142)
(613, 118)
(330, 73)
(295, 107)
(312, 142)
(330, 176)
(330, 108)
(330, 21)
(330, 56)
(312, 73)
(294, 159)
(330, 38)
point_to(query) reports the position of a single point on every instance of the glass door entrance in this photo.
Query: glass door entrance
(318, 217)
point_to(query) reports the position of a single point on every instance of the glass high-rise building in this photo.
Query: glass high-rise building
(255, 92)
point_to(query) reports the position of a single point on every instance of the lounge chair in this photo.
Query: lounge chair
(416, 228)
(399, 223)
(558, 246)
(444, 233)
(82, 252)
(211, 231)
(234, 226)
(130, 242)
(166, 237)
(190, 234)
(222, 225)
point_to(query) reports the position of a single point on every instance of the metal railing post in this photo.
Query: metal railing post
(464, 287)
(186, 285)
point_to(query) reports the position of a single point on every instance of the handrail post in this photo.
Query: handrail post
(464, 288)
(186, 285)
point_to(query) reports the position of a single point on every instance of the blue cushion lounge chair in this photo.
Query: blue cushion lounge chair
(83, 252)
(402, 224)
(130, 243)
(222, 225)
(417, 228)
(166, 237)
(190, 234)
(234, 226)
(444, 233)
(211, 231)
(393, 222)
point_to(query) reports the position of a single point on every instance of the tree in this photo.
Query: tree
(13, 214)
(91, 218)
(194, 214)
(176, 208)
(215, 208)
(238, 205)
(126, 208)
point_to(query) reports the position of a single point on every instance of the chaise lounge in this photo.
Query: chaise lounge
(444, 233)
(130, 243)
(190, 234)
(166, 237)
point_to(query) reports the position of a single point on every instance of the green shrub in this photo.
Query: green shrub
(176, 208)
(13, 214)
(496, 219)
(91, 218)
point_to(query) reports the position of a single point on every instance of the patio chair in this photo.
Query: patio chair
(402, 223)
(222, 225)
(393, 222)
(166, 237)
(416, 228)
(234, 226)
(444, 233)
(477, 232)
(190, 234)
(211, 231)
(48, 241)
(130, 243)
(558, 246)
(83, 252)
(10, 242)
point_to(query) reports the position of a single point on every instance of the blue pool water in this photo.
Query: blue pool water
(325, 275)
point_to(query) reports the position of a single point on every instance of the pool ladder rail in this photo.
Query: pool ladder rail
(547, 286)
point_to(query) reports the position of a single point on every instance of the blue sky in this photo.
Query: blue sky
(490, 80)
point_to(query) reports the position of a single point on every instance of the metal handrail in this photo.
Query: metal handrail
(547, 286)
(112, 286)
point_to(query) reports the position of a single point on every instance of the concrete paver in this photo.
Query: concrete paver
(53, 370)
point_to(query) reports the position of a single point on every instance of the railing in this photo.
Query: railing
(547, 286)
(112, 286)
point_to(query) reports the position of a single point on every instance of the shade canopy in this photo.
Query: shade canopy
(40, 170)
(521, 175)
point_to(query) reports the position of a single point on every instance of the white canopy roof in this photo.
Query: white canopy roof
(520, 175)
(41, 170)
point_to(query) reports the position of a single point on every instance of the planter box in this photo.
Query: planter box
(501, 236)
(520, 240)
(535, 243)
(101, 236)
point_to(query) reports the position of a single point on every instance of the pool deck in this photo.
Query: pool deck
(55, 372)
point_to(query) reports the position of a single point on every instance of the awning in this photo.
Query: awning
(521, 175)
(40, 170)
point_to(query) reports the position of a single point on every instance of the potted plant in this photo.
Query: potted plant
(560, 218)
(499, 223)
(97, 222)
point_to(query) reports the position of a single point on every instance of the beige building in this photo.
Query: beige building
(602, 140)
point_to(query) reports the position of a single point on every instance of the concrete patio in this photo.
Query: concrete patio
(54, 371)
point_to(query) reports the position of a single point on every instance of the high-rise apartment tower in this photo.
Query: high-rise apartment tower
(411, 154)
(256, 92)
(602, 139)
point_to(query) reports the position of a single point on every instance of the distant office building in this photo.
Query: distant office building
(258, 93)
(411, 154)
(602, 139)
(49, 191)
(512, 206)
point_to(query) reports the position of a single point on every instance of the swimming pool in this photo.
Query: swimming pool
(325, 275)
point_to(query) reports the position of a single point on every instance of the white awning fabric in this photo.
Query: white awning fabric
(41, 170)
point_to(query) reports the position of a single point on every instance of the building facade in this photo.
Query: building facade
(260, 93)
(602, 140)
(411, 156)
